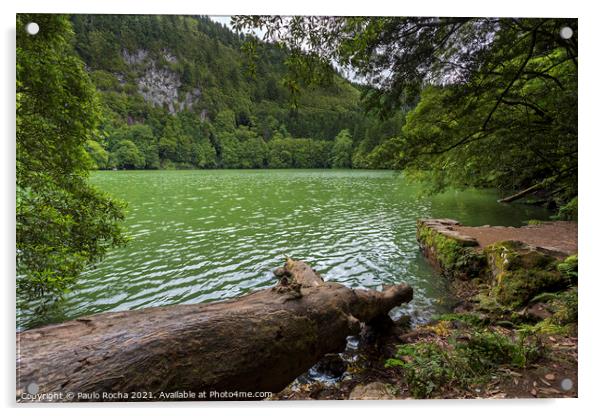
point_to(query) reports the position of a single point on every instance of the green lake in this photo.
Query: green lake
(202, 236)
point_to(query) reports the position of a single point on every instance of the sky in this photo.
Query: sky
(226, 21)
(347, 73)
(221, 19)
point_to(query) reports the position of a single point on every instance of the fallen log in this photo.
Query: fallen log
(521, 194)
(256, 343)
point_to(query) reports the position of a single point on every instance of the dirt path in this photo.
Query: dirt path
(558, 235)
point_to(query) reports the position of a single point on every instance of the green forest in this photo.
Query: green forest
(492, 104)
(182, 92)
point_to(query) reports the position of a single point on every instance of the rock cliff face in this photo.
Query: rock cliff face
(134, 58)
(159, 85)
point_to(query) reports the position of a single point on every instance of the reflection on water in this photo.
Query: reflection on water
(201, 236)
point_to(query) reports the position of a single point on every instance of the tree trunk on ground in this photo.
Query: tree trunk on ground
(256, 343)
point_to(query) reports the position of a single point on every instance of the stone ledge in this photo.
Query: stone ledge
(450, 251)
(445, 227)
(515, 271)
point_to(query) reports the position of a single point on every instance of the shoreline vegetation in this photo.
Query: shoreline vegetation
(512, 333)
(514, 330)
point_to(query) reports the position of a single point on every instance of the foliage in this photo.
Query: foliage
(569, 267)
(127, 156)
(569, 211)
(225, 121)
(299, 153)
(143, 154)
(468, 318)
(564, 308)
(496, 97)
(488, 349)
(235, 101)
(99, 156)
(63, 223)
(342, 150)
(563, 304)
(385, 155)
(430, 367)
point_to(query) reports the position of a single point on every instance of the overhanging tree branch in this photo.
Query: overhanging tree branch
(514, 79)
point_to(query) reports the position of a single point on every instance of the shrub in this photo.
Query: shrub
(430, 367)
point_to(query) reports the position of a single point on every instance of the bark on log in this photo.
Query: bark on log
(256, 343)
(521, 194)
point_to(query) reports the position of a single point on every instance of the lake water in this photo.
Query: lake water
(202, 236)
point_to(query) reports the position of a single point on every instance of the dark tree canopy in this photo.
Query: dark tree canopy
(494, 100)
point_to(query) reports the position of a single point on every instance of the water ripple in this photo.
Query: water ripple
(200, 236)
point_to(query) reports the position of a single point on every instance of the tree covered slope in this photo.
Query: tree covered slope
(182, 92)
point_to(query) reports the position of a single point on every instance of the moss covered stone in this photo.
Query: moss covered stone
(519, 272)
(453, 253)
(515, 270)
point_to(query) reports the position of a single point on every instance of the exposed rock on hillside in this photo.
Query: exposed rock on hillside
(161, 86)
(136, 57)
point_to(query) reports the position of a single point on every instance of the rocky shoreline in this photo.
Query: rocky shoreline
(512, 333)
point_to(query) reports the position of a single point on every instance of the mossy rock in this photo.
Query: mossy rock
(471, 264)
(455, 254)
(520, 272)
(516, 288)
(515, 255)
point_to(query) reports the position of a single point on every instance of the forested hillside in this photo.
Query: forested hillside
(185, 92)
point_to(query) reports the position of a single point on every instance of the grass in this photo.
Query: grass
(564, 308)
(465, 359)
